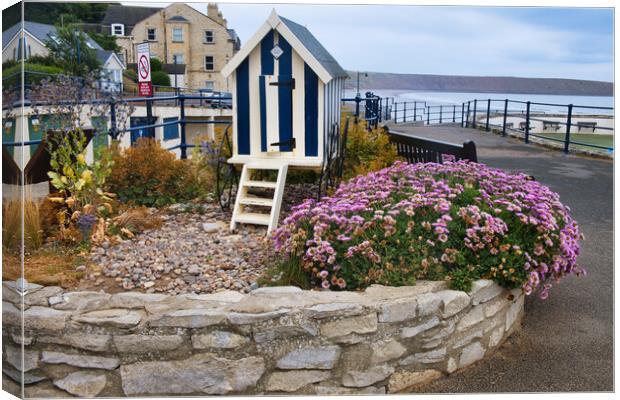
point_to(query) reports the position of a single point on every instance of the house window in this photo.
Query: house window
(177, 34)
(117, 29)
(209, 64)
(209, 38)
(209, 85)
(150, 34)
(178, 58)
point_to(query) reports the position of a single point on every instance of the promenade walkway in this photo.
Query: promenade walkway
(567, 340)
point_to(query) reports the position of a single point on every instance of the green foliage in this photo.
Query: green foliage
(79, 184)
(156, 64)
(160, 78)
(146, 174)
(367, 151)
(12, 74)
(54, 12)
(107, 42)
(64, 51)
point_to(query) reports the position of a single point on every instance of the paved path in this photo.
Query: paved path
(567, 341)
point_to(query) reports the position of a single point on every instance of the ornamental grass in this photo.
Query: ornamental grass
(457, 221)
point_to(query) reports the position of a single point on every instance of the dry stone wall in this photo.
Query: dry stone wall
(272, 340)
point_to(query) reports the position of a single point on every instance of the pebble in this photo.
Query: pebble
(192, 252)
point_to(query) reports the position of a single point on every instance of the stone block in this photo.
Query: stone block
(484, 290)
(237, 318)
(310, 358)
(453, 302)
(189, 318)
(428, 304)
(328, 310)
(471, 354)
(409, 332)
(401, 380)
(14, 357)
(515, 310)
(386, 350)
(45, 319)
(291, 381)
(429, 357)
(147, 343)
(218, 340)
(201, 373)
(367, 377)
(472, 318)
(116, 317)
(135, 299)
(398, 310)
(361, 324)
(91, 341)
(79, 360)
(82, 301)
(82, 383)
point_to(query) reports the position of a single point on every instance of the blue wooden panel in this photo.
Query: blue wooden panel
(285, 62)
(171, 131)
(243, 108)
(311, 101)
(263, 113)
(285, 111)
(266, 59)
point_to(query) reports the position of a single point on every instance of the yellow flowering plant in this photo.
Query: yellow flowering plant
(80, 184)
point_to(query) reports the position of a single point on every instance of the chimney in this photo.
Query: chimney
(214, 13)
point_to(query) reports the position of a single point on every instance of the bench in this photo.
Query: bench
(586, 126)
(421, 150)
(551, 126)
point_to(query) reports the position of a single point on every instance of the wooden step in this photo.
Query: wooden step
(261, 184)
(253, 218)
(256, 201)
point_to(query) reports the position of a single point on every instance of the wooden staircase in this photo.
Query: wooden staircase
(246, 200)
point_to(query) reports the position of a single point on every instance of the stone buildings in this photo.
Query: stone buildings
(178, 34)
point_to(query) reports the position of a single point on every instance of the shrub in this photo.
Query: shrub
(13, 74)
(146, 174)
(367, 150)
(455, 221)
(160, 78)
(156, 65)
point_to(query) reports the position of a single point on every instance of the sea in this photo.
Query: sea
(552, 103)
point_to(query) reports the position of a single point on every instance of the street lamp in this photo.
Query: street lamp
(358, 82)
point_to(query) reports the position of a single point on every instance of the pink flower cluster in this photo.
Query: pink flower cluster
(457, 214)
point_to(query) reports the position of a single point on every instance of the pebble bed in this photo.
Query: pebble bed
(192, 252)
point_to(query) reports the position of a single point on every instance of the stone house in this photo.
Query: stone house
(180, 34)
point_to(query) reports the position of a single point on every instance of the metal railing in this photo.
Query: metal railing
(116, 133)
(376, 108)
(481, 112)
(495, 114)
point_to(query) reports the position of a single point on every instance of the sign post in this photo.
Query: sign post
(145, 87)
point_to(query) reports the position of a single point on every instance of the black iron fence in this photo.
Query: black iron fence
(148, 130)
(376, 109)
(556, 123)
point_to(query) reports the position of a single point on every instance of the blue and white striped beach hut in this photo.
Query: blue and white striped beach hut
(286, 99)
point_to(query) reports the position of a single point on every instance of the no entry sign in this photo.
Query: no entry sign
(145, 88)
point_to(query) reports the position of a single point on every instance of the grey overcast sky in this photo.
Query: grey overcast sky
(549, 42)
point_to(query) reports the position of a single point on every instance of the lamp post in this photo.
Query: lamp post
(358, 82)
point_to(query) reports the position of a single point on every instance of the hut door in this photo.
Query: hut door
(277, 113)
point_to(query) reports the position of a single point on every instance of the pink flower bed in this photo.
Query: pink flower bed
(455, 221)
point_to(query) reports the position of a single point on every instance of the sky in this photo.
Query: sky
(546, 42)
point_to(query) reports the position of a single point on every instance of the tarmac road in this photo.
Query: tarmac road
(566, 343)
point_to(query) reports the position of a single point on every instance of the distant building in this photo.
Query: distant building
(177, 34)
(15, 47)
